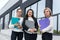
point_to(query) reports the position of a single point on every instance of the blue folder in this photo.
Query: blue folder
(44, 23)
(14, 20)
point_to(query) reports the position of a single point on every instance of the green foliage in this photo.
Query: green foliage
(55, 32)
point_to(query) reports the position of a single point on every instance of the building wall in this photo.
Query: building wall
(8, 5)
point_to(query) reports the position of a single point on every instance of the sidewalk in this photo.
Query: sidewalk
(5, 35)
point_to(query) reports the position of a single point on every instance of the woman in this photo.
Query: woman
(17, 33)
(29, 32)
(47, 32)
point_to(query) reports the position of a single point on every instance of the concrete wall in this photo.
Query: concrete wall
(8, 5)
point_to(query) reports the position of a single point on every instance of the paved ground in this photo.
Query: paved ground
(5, 35)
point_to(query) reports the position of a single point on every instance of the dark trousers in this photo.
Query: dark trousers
(47, 36)
(28, 36)
(17, 35)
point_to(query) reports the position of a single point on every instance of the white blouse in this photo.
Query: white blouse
(14, 29)
(30, 18)
(49, 29)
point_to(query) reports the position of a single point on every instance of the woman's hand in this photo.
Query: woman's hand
(42, 31)
(19, 26)
(31, 30)
(39, 25)
(34, 29)
(16, 24)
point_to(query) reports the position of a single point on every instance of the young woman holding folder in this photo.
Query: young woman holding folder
(17, 33)
(29, 33)
(47, 32)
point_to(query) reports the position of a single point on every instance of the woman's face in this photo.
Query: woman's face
(47, 13)
(29, 13)
(19, 13)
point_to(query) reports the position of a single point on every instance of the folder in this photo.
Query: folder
(30, 24)
(15, 20)
(44, 23)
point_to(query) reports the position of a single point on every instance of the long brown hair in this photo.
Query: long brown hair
(32, 14)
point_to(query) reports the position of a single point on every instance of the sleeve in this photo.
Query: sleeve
(36, 24)
(24, 26)
(49, 28)
(21, 21)
(11, 25)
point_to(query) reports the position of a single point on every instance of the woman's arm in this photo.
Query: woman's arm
(36, 24)
(24, 26)
(11, 25)
(49, 28)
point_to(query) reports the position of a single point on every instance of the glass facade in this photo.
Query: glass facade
(27, 9)
(6, 21)
(41, 6)
(34, 7)
(14, 12)
(56, 6)
(55, 24)
(23, 1)
(59, 23)
(56, 10)
(1, 22)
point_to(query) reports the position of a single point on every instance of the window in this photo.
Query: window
(24, 1)
(59, 23)
(56, 6)
(6, 21)
(27, 8)
(2, 4)
(55, 24)
(41, 7)
(34, 8)
(1, 22)
(14, 12)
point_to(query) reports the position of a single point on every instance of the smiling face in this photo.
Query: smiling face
(29, 13)
(19, 13)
